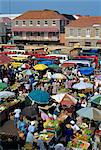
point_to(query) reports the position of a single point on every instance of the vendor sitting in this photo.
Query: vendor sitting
(21, 125)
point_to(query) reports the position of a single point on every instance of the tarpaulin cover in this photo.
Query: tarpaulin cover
(86, 70)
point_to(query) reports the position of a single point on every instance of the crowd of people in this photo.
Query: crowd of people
(29, 130)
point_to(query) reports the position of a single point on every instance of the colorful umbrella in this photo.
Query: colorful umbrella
(28, 72)
(6, 94)
(40, 67)
(4, 59)
(25, 66)
(64, 99)
(39, 96)
(46, 62)
(82, 85)
(58, 76)
(86, 70)
(53, 66)
(3, 86)
(90, 113)
(98, 77)
(96, 99)
(16, 64)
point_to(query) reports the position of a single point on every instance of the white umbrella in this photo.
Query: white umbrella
(58, 76)
(6, 94)
(82, 85)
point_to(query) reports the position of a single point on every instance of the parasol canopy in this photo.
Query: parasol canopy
(4, 59)
(90, 113)
(58, 76)
(30, 112)
(46, 62)
(16, 64)
(39, 96)
(86, 70)
(15, 86)
(40, 67)
(98, 77)
(82, 85)
(25, 66)
(6, 94)
(96, 99)
(54, 66)
(28, 72)
(3, 86)
(64, 99)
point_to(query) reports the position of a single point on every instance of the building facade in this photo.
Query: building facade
(5, 29)
(39, 27)
(86, 31)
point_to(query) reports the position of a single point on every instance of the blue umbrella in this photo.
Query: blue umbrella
(39, 96)
(86, 70)
(46, 62)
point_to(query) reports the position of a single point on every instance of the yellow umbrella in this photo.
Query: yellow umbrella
(40, 67)
(16, 64)
(18, 58)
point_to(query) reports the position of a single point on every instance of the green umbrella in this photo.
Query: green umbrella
(3, 86)
(90, 113)
(39, 96)
(96, 99)
(53, 66)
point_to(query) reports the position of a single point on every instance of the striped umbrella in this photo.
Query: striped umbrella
(4, 59)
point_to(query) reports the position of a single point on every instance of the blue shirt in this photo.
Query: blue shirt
(22, 126)
(30, 137)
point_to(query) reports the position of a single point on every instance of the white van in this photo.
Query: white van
(62, 58)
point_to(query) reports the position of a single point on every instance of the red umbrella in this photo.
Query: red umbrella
(25, 66)
(4, 59)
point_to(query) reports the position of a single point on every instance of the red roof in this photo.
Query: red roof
(40, 14)
(85, 21)
(36, 29)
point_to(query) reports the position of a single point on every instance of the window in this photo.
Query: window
(79, 33)
(38, 23)
(97, 32)
(46, 23)
(24, 23)
(54, 23)
(16, 23)
(71, 32)
(31, 23)
(88, 33)
(87, 43)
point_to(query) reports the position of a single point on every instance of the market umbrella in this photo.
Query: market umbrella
(25, 66)
(28, 72)
(54, 66)
(98, 77)
(30, 112)
(58, 76)
(3, 86)
(82, 85)
(96, 99)
(86, 70)
(64, 99)
(4, 59)
(6, 94)
(16, 64)
(46, 62)
(90, 113)
(39, 96)
(40, 67)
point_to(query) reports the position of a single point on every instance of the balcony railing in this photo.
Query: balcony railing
(36, 38)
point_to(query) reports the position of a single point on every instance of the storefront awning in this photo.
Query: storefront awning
(35, 29)
(99, 42)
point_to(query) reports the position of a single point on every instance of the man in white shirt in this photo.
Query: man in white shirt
(16, 116)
